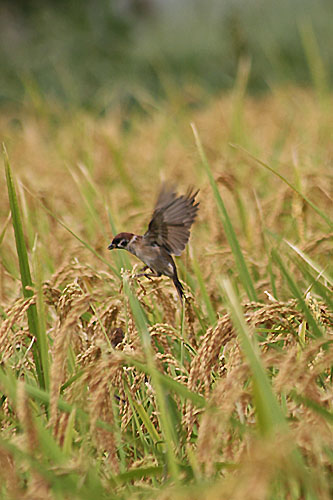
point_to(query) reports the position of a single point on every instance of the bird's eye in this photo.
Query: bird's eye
(123, 243)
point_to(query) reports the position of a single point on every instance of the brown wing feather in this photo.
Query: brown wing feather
(172, 219)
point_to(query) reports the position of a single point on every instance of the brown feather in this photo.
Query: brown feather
(172, 219)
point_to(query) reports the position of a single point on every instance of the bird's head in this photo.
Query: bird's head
(121, 240)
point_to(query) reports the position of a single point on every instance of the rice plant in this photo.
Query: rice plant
(109, 388)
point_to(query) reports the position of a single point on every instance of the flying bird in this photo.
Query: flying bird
(167, 235)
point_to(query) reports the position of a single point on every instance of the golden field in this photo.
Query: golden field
(110, 389)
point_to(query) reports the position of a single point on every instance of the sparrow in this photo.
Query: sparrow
(168, 233)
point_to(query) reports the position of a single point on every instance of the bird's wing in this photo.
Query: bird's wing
(172, 219)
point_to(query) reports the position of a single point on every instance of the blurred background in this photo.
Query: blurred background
(97, 53)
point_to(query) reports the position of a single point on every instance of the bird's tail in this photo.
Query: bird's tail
(179, 287)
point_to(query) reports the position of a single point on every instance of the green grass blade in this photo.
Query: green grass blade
(311, 263)
(69, 434)
(137, 474)
(156, 438)
(25, 457)
(48, 445)
(3, 232)
(118, 435)
(271, 169)
(269, 413)
(26, 280)
(167, 431)
(321, 290)
(229, 230)
(66, 484)
(43, 339)
(168, 382)
(313, 405)
(8, 386)
(298, 295)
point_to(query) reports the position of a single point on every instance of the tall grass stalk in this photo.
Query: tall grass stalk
(244, 274)
(39, 347)
(270, 416)
(316, 330)
(320, 272)
(40, 304)
(271, 419)
(165, 423)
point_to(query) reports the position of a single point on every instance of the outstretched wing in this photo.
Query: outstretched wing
(172, 220)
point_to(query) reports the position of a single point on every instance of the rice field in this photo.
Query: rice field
(109, 388)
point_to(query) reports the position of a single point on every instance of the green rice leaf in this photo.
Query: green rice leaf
(26, 280)
(298, 295)
(226, 222)
(167, 431)
(269, 413)
(311, 263)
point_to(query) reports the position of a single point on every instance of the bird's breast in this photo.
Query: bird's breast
(153, 256)
(146, 253)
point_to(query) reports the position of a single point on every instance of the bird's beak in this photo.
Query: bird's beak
(111, 246)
